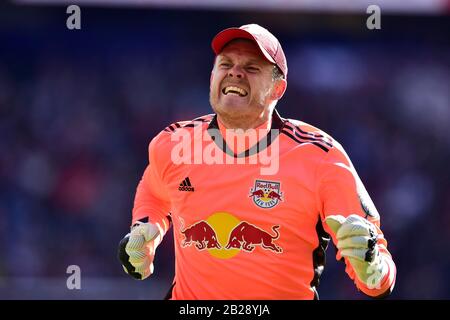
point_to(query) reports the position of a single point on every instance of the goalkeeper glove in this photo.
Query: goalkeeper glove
(357, 241)
(137, 250)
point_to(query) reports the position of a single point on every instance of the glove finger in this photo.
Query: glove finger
(135, 242)
(140, 270)
(354, 242)
(145, 271)
(355, 253)
(125, 259)
(355, 218)
(139, 276)
(141, 264)
(356, 228)
(138, 254)
(334, 222)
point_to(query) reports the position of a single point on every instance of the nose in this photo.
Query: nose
(236, 71)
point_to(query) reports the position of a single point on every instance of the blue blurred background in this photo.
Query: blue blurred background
(78, 109)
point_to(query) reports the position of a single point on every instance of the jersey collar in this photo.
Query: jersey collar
(276, 126)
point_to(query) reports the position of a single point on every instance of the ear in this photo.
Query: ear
(212, 73)
(211, 78)
(279, 88)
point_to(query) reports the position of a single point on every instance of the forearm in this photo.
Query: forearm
(148, 208)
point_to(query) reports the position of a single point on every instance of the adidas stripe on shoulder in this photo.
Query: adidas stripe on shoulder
(189, 124)
(294, 131)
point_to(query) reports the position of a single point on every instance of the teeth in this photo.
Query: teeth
(238, 90)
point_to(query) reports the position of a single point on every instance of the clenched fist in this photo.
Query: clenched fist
(137, 250)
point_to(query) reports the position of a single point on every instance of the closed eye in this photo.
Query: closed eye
(252, 69)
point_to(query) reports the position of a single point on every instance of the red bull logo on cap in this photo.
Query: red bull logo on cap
(223, 235)
(266, 194)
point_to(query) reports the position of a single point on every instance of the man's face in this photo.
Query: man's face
(241, 80)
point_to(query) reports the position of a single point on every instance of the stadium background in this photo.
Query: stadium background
(78, 108)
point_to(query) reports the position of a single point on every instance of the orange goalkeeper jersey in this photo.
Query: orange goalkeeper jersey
(248, 217)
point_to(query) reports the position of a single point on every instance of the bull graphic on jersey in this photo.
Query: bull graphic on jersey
(245, 236)
(201, 234)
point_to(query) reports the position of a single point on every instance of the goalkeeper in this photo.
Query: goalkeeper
(241, 232)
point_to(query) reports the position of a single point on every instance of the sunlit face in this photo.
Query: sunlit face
(241, 80)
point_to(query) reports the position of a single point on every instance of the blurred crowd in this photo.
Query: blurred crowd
(77, 114)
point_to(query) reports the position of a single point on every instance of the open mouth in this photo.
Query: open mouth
(234, 90)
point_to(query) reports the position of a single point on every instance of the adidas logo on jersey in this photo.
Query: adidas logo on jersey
(186, 185)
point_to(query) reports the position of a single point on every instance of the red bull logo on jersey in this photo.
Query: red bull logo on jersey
(266, 194)
(201, 235)
(224, 236)
(246, 236)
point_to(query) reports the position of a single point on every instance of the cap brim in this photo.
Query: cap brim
(225, 36)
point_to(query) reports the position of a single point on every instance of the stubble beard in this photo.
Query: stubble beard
(239, 117)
